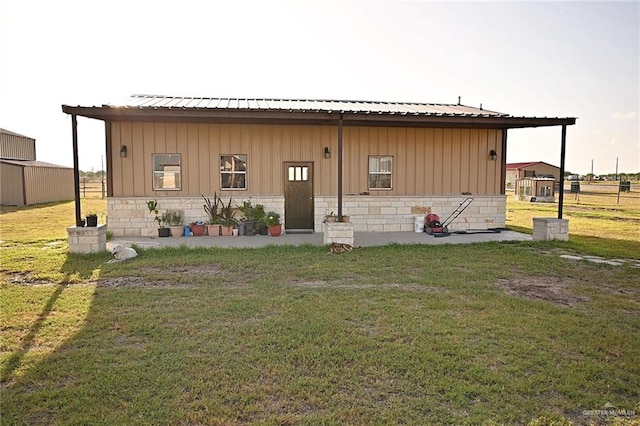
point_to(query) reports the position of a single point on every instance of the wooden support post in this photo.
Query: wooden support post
(562, 155)
(340, 168)
(76, 168)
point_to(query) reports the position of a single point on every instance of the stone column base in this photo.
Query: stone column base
(337, 232)
(87, 239)
(548, 228)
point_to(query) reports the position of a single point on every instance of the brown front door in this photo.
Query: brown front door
(298, 195)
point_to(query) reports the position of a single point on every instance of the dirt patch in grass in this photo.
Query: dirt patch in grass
(140, 282)
(199, 270)
(167, 281)
(541, 288)
(403, 287)
(27, 278)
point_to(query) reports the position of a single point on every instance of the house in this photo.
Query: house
(530, 169)
(534, 189)
(381, 163)
(26, 181)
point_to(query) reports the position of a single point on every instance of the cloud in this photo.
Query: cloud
(625, 115)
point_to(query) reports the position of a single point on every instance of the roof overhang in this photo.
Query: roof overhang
(253, 116)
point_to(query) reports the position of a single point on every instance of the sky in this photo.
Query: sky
(542, 59)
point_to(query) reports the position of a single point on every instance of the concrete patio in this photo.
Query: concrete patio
(361, 239)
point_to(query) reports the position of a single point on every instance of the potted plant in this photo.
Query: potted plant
(163, 231)
(273, 224)
(331, 217)
(175, 220)
(211, 209)
(197, 228)
(252, 213)
(92, 219)
(227, 218)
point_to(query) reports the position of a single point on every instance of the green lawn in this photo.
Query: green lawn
(496, 333)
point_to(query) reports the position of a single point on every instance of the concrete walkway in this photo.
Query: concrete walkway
(361, 239)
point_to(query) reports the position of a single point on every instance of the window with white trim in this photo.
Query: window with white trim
(233, 171)
(380, 172)
(167, 174)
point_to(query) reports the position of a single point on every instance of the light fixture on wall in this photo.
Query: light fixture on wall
(327, 153)
(493, 154)
(123, 151)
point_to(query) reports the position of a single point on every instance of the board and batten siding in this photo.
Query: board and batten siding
(426, 160)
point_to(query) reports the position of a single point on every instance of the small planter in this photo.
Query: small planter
(176, 231)
(346, 218)
(250, 227)
(213, 230)
(234, 232)
(92, 221)
(275, 230)
(227, 231)
(164, 232)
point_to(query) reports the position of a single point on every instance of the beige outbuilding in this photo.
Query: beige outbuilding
(26, 181)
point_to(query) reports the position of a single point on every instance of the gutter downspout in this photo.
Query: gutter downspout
(76, 168)
(562, 155)
(340, 125)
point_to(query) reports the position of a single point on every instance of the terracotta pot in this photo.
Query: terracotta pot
(213, 230)
(227, 230)
(275, 230)
(197, 230)
(177, 231)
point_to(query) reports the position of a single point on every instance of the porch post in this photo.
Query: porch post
(76, 168)
(340, 168)
(562, 155)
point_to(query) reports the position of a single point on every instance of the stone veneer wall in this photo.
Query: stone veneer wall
(396, 213)
(130, 216)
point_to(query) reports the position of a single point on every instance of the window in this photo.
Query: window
(166, 172)
(544, 191)
(233, 171)
(380, 169)
(298, 173)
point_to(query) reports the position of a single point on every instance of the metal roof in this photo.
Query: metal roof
(516, 166)
(303, 105)
(306, 111)
(8, 132)
(32, 163)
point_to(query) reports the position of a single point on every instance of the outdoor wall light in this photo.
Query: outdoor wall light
(123, 151)
(493, 154)
(327, 153)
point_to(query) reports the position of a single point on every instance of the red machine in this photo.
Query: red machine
(432, 225)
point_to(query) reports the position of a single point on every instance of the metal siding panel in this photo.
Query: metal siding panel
(116, 162)
(188, 173)
(16, 147)
(193, 160)
(464, 160)
(12, 189)
(126, 135)
(136, 160)
(205, 166)
(48, 184)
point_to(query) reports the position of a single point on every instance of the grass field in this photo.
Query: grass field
(491, 333)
